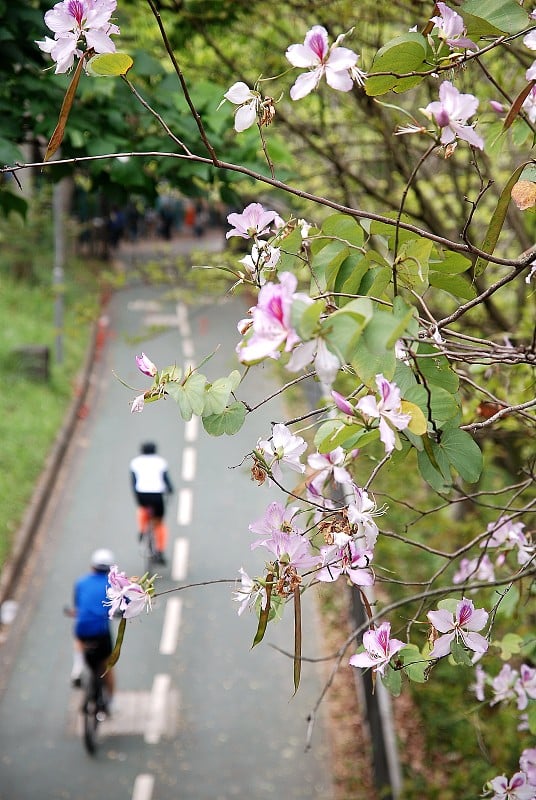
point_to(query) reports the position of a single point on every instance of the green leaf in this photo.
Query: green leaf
(229, 421)
(326, 263)
(437, 369)
(415, 665)
(497, 220)
(452, 263)
(335, 433)
(460, 654)
(449, 604)
(457, 285)
(190, 396)
(463, 453)
(509, 645)
(427, 461)
(412, 264)
(344, 227)
(443, 405)
(368, 362)
(114, 656)
(217, 396)
(305, 317)
(419, 423)
(106, 65)
(531, 714)
(264, 612)
(490, 17)
(392, 680)
(401, 55)
(343, 329)
(350, 275)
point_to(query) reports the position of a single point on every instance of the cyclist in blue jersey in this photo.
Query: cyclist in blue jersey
(92, 625)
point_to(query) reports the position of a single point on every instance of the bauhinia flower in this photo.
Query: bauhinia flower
(263, 258)
(451, 113)
(527, 764)
(277, 517)
(476, 569)
(271, 328)
(138, 404)
(525, 686)
(146, 366)
(387, 409)
(326, 363)
(76, 20)
(517, 788)
(326, 467)
(450, 27)
(254, 221)
(529, 105)
(248, 102)
(338, 64)
(361, 510)
(127, 596)
(460, 625)
(503, 685)
(283, 448)
(248, 592)
(347, 560)
(291, 550)
(379, 649)
(508, 535)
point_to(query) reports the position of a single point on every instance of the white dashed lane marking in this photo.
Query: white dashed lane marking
(188, 464)
(184, 511)
(143, 787)
(171, 626)
(156, 723)
(179, 565)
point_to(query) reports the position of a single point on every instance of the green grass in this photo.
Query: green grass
(32, 411)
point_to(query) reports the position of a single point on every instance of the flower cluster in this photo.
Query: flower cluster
(74, 22)
(128, 597)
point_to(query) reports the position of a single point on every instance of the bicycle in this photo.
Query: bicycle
(95, 704)
(148, 545)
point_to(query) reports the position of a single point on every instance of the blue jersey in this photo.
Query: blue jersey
(91, 614)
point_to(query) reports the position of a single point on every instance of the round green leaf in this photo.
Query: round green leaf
(106, 65)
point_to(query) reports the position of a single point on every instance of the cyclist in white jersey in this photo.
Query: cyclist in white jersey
(150, 482)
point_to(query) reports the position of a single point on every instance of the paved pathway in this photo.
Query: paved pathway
(202, 716)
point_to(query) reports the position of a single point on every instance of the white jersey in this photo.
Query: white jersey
(149, 472)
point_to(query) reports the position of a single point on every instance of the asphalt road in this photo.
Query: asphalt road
(200, 715)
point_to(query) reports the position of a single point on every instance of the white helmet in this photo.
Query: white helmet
(102, 560)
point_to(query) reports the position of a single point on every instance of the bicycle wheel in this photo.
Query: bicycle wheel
(90, 710)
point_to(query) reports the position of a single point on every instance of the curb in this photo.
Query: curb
(45, 484)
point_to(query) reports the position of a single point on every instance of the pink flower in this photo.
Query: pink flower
(328, 466)
(291, 550)
(126, 596)
(525, 686)
(451, 113)
(517, 788)
(252, 222)
(461, 625)
(503, 684)
(338, 64)
(283, 448)
(451, 29)
(146, 366)
(276, 518)
(326, 363)
(348, 560)
(138, 404)
(271, 326)
(388, 409)
(361, 510)
(527, 764)
(343, 404)
(477, 569)
(379, 649)
(248, 592)
(73, 20)
(529, 105)
(248, 101)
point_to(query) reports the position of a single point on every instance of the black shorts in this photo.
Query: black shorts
(97, 650)
(153, 501)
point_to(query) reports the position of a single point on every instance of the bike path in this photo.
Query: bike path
(201, 715)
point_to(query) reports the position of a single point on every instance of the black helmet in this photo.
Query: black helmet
(148, 448)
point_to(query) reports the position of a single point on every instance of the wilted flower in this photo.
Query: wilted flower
(138, 404)
(146, 366)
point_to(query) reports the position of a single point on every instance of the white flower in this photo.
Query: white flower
(248, 101)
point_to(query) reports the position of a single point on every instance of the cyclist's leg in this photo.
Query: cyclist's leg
(143, 514)
(160, 527)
